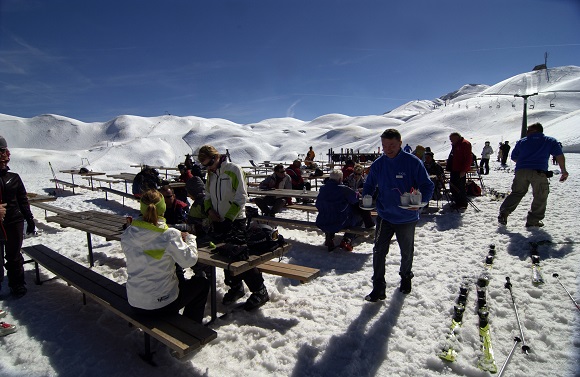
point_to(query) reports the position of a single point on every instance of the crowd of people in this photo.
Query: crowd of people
(162, 242)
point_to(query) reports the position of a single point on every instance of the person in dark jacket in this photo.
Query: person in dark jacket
(270, 205)
(338, 208)
(436, 173)
(176, 210)
(458, 164)
(195, 187)
(185, 175)
(146, 179)
(13, 194)
(505, 152)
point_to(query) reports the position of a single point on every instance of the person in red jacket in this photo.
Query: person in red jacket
(458, 164)
(295, 174)
(347, 169)
(185, 175)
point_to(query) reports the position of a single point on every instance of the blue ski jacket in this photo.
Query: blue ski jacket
(533, 151)
(393, 177)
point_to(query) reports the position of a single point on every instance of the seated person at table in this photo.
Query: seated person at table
(185, 175)
(356, 181)
(270, 204)
(338, 208)
(146, 179)
(347, 169)
(436, 172)
(196, 191)
(152, 249)
(176, 210)
(419, 152)
(295, 174)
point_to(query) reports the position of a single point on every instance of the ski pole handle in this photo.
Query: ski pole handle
(508, 284)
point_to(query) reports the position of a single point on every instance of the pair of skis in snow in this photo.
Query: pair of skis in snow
(451, 346)
(486, 361)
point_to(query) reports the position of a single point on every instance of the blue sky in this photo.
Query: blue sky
(256, 59)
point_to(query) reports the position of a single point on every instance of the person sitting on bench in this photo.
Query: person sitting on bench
(270, 204)
(338, 208)
(152, 249)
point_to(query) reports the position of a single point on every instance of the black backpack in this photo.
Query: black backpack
(262, 238)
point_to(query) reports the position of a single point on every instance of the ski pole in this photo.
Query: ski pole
(508, 285)
(571, 298)
(516, 341)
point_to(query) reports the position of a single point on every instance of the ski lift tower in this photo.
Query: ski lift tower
(525, 116)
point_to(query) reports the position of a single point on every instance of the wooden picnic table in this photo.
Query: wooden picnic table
(110, 226)
(166, 168)
(126, 177)
(285, 193)
(74, 172)
(129, 177)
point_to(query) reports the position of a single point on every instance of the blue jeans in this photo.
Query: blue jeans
(405, 238)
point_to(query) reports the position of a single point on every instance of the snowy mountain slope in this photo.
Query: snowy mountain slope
(492, 111)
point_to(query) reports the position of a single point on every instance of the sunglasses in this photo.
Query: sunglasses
(210, 163)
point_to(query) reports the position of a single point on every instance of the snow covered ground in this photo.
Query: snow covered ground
(322, 328)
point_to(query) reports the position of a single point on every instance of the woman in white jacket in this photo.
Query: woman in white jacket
(152, 249)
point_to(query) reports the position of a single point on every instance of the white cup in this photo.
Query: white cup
(367, 201)
(416, 198)
(405, 199)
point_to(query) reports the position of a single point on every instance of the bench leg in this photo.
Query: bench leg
(148, 355)
(90, 246)
(37, 273)
(213, 294)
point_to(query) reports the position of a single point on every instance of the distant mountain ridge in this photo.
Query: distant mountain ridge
(477, 111)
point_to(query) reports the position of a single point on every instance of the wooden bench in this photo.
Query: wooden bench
(180, 334)
(291, 271)
(106, 180)
(50, 208)
(124, 194)
(67, 184)
(308, 224)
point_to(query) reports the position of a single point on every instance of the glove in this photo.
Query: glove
(31, 227)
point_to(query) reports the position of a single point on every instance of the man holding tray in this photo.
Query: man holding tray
(393, 174)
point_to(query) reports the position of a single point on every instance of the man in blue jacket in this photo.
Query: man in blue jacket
(531, 156)
(393, 174)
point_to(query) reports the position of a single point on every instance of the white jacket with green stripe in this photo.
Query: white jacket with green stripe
(226, 191)
(151, 252)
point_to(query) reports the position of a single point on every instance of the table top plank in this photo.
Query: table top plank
(110, 226)
(283, 193)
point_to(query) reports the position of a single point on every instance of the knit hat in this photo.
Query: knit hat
(3, 143)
